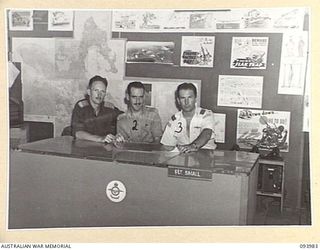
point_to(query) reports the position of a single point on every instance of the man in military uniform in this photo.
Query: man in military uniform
(92, 118)
(191, 128)
(139, 123)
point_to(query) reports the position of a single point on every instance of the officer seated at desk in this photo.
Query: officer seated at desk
(191, 128)
(139, 123)
(92, 118)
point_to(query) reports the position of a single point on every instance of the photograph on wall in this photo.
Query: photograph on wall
(219, 127)
(21, 20)
(264, 129)
(249, 52)
(202, 20)
(149, 52)
(197, 51)
(293, 63)
(226, 20)
(60, 20)
(240, 91)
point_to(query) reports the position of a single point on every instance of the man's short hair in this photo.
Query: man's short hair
(185, 86)
(137, 85)
(96, 79)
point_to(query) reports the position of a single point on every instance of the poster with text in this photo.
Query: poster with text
(197, 51)
(293, 63)
(263, 128)
(240, 91)
(149, 52)
(249, 52)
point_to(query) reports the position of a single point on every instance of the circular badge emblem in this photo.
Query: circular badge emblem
(116, 191)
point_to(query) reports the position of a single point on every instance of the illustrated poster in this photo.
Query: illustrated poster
(293, 63)
(60, 20)
(240, 91)
(249, 52)
(197, 51)
(263, 128)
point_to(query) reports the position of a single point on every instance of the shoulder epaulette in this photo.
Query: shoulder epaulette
(83, 103)
(151, 109)
(173, 117)
(121, 116)
(202, 111)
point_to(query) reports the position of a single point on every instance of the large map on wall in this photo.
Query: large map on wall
(55, 71)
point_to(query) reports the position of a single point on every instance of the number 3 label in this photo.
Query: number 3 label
(179, 129)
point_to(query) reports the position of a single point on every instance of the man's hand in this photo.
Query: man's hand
(187, 148)
(109, 138)
(119, 138)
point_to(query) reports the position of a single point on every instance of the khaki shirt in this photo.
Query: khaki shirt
(143, 127)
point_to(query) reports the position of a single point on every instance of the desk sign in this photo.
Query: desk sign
(188, 173)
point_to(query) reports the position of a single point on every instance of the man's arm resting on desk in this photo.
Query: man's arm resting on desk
(90, 137)
(198, 143)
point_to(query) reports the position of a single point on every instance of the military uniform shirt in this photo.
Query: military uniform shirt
(85, 119)
(143, 127)
(176, 129)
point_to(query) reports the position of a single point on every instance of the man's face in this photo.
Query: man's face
(187, 100)
(136, 99)
(97, 92)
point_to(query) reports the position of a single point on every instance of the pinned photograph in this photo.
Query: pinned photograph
(20, 20)
(150, 52)
(60, 20)
(201, 21)
(197, 51)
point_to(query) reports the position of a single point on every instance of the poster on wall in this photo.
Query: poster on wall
(265, 129)
(201, 20)
(288, 18)
(240, 91)
(21, 20)
(249, 52)
(293, 63)
(219, 127)
(176, 21)
(60, 20)
(197, 51)
(149, 52)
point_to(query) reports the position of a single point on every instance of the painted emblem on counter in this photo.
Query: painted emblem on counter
(116, 191)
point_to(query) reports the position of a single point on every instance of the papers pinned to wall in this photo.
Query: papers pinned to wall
(240, 91)
(293, 65)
